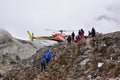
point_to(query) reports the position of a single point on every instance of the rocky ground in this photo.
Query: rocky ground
(78, 61)
(13, 51)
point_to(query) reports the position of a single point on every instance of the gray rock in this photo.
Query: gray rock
(83, 49)
(111, 49)
(13, 62)
(27, 66)
(111, 41)
(18, 58)
(3, 62)
(101, 46)
(83, 62)
(80, 58)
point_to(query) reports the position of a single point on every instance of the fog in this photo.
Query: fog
(18, 16)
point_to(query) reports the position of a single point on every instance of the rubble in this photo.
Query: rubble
(96, 58)
(13, 51)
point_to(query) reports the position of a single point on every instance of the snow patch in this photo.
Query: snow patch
(4, 35)
(42, 43)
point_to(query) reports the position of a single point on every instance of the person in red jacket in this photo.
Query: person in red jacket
(77, 38)
(82, 34)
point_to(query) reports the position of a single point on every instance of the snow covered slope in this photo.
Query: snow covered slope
(24, 49)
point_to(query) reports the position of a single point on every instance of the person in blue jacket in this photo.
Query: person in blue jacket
(43, 63)
(47, 56)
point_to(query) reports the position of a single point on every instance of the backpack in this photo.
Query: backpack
(43, 61)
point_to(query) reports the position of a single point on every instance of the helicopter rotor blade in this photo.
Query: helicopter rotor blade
(61, 30)
(50, 30)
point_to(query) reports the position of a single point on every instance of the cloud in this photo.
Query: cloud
(18, 16)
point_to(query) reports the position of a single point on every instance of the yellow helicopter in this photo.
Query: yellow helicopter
(56, 36)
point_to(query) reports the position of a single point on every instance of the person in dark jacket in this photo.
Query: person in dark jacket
(69, 40)
(43, 63)
(89, 33)
(73, 36)
(93, 32)
(47, 56)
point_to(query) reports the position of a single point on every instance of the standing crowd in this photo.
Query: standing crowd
(80, 36)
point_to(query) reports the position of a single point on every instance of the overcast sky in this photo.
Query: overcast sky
(18, 16)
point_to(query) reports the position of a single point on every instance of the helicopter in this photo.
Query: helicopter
(60, 37)
(32, 37)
